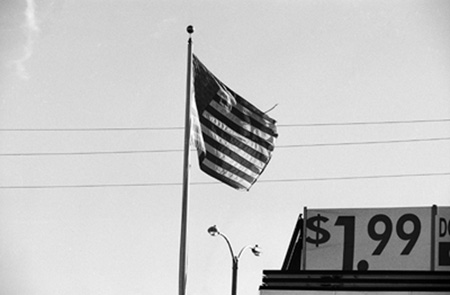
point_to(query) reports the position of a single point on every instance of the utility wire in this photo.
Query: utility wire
(365, 142)
(365, 123)
(180, 128)
(35, 154)
(114, 185)
(87, 153)
(357, 177)
(89, 129)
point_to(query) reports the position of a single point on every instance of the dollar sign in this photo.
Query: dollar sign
(313, 224)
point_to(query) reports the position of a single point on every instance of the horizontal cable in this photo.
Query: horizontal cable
(89, 129)
(365, 123)
(365, 142)
(179, 128)
(111, 185)
(87, 153)
(358, 177)
(180, 150)
(338, 178)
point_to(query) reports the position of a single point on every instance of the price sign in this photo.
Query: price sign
(442, 232)
(368, 239)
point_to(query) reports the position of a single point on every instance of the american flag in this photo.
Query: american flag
(234, 139)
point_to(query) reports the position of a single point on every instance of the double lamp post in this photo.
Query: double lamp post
(213, 231)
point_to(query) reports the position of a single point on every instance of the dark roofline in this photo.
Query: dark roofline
(437, 281)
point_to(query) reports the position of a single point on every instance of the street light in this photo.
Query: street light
(256, 250)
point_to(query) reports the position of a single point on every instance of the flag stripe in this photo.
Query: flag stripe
(196, 136)
(239, 129)
(224, 176)
(228, 170)
(246, 160)
(228, 164)
(221, 130)
(253, 109)
(240, 120)
(253, 115)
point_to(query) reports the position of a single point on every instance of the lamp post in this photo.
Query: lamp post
(213, 231)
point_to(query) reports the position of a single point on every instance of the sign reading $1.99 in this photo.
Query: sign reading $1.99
(368, 239)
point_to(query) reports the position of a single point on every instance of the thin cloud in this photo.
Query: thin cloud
(31, 29)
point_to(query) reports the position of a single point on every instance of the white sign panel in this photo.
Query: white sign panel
(442, 248)
(368, 239)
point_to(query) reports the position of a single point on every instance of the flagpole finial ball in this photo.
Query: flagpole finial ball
(190, 29)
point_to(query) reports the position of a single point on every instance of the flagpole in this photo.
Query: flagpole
(182, 279)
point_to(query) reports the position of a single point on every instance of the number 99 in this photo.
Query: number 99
(385, 235)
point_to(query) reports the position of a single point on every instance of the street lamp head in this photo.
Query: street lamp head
(256, 250)
(213, 231)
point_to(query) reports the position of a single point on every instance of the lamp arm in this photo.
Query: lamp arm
(234, 258)
(242, 250)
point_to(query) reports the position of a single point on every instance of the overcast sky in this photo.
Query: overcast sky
(92, 97)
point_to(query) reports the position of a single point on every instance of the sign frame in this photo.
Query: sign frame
(414, 231)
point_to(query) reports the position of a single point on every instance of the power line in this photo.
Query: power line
(365, 142)
(110, 185)
(338, 178)
(89, 129)
(87, 153)
(366, 123)
(35, 154)
(358, 177)
(107, 129)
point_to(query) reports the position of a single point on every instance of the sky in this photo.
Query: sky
(92, 97)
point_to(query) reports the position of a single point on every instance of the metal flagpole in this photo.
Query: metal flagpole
(182, 279)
